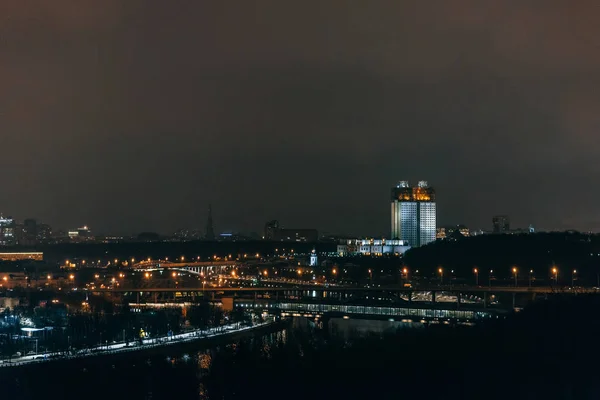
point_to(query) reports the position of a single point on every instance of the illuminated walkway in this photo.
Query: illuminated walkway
(124, 347)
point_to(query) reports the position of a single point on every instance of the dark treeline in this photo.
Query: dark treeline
(538, 252)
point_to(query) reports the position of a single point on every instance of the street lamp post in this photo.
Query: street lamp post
(476, 272)
(555, 272)
(530, 276)
(573, 277)
(515, 271)
(441, 271)
(490, 278)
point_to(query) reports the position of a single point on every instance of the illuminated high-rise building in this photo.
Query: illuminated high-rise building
(413, 213)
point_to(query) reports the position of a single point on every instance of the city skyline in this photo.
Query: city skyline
(127, 117)
(203, 230)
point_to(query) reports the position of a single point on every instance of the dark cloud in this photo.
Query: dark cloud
(135, 115)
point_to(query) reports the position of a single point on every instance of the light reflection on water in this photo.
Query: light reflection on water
(220, 372)
(203, 359)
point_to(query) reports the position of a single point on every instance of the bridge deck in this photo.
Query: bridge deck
(344, 289)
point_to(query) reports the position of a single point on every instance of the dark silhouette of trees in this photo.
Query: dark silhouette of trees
(539, 252)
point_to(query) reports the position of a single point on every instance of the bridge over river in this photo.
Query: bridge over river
(474, 296)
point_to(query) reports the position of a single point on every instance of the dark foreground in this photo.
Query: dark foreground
(550, 351)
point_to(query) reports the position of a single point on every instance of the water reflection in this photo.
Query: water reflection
(187, 372)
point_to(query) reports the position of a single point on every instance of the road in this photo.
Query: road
(123, 347)
(461, 289)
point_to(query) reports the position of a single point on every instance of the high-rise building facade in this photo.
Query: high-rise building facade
(501, 224)
(413, 213)
(7, 231)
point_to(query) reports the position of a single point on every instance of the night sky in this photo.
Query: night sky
(133, 115)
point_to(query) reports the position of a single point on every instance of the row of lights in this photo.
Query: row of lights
(182, 258)
(476, 271)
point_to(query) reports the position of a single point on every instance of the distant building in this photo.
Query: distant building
(27, 234)
(210, 229)
(232, 236)
(413, 213)
(37, 256)
(372, 247)
(82, 234)
(501, 224)
(314, 261)
(522, 231)
(274, 232)
(296, 235)
(44, 233)
(440, 233)
(187, 234)
(453, 232)
(7, 231)
(110, 239)
(271, 229)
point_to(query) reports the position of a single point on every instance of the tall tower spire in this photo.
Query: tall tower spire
(210, 230)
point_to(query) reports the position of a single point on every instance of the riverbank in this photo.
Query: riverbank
(209, 337)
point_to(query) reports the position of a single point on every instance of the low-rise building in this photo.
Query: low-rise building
(372, 247)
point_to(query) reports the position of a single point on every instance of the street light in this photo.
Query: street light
(555, 272)
(476, 272)
(490, 277)
(573, 277)
(515, 271)
(530, 277)
(441, 271)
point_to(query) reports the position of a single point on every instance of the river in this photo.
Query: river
(300, 361)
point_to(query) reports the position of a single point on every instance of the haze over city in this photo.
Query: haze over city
(134, 116)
